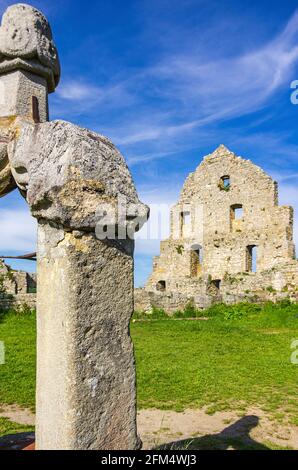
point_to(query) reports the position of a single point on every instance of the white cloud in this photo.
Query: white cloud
(210, 91)
(231, 86)
(18, 232)
(77, 91)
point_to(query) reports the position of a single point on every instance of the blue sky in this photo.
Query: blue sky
(168, 81)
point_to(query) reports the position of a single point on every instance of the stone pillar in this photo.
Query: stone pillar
(73, 180)
(86, 394)
(29, 70)
(86, 397)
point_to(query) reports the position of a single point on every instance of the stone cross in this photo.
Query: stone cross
(81, 192)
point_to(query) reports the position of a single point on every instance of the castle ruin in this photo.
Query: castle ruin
(17, 288)
(229, 240)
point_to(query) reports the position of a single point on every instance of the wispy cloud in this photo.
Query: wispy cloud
(77, 91)
(18, 231)
(183, 94)
(81, 97)
(231, 86)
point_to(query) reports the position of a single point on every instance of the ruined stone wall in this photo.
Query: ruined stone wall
(21, 279)
(17, 287)
(275, 284)
(18, 88)
(206, 217)
(18, 302)
(144, 301)
(228, 209)
(8, 282)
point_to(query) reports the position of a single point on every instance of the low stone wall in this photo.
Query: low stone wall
(144, 301)
(278, 283)
(18, 301)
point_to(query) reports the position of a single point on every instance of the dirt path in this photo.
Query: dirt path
(17, 414)
(222, 430)
(194, 429)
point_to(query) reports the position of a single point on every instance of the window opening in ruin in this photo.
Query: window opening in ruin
(236, 217)
(214, 287)
(216, 283)
(236, 211)
(199, 253)
(185, 217)
(185, 220)
(161, 286)
(251, 258)
(225, 183)
(196, 260)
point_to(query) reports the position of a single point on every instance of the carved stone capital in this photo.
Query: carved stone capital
(26, 43)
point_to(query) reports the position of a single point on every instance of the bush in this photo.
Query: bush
(158, 313)
(155, 313)
(189, 312)
(24, 309)
(224, 311)
(231, 312)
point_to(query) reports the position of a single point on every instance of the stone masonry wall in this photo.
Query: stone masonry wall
(271, 285)
(228, 210)
(17, 288)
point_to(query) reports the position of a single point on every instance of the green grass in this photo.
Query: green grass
(17, 375)
(9, 427)
(239, 357)
(228, 362)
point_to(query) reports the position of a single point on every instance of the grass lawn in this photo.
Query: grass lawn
(227, 362)
(239, 357)
(17, 375)
(8, 427)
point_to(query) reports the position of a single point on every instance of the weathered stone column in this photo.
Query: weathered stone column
(86, 397)
(75, 183)
(81, 192)
(29, 70)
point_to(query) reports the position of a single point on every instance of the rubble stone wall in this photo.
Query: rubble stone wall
(229, 237)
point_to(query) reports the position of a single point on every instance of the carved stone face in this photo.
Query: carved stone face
(67, 174)
(7, 182)
(25, 36)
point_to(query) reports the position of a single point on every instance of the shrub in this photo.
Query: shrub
(189, 311)
(157, 313)
(24, 309)
(229, 312)
(233, 314)
(154, 313)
